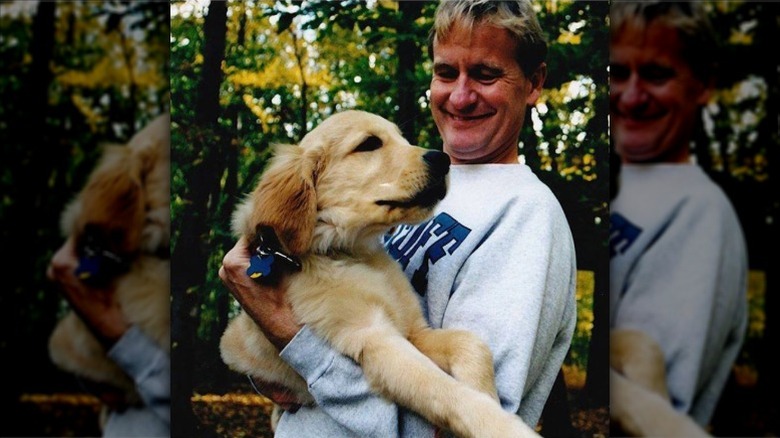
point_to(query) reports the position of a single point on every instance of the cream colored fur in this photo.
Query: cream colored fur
(639, 399)
(129, 190)
(321, 199)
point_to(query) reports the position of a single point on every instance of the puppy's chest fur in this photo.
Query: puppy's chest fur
(349, 292)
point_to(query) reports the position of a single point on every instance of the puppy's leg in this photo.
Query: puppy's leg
(73, 348)
(145, 299)
(246, 350)
(639, 358)
(461, 354)
(641, 412)
(399, 371)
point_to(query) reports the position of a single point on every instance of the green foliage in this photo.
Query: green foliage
(739, 126)
(578, 356)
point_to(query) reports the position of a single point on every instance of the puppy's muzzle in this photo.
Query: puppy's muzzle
(434, 188)
(438, 164)
(438, 167)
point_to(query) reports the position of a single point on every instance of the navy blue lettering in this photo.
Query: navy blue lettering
(438, 237)
(622, 234)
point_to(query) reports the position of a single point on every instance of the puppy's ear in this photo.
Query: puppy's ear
(70, 217)
(113, 200)
(285, 200)
(151, 151)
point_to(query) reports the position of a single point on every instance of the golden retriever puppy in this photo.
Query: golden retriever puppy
(120, 222)
(328, 201)
(639, 399)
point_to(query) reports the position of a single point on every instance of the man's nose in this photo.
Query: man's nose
(464, 94)
(632, 93)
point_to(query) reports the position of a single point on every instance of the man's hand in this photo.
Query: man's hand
(267, 306)
(98, 308)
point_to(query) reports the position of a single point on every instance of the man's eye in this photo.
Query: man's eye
(445, 73)
(656, 74)
(618, 72)
(487, 75)
(371, 143)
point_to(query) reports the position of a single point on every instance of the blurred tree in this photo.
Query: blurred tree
(737, 147)
(24, 193)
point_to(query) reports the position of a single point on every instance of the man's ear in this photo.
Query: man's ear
(536, 83)
(708, 88)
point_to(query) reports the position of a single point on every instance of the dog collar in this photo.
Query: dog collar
(268, 260)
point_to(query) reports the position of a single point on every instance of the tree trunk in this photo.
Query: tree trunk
(409, 55)
(190, 256)
(30, 231)
(603, 190)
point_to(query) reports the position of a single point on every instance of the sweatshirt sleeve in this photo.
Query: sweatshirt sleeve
(517, 292)
(687, 291)
(150, 368)
(340, 389)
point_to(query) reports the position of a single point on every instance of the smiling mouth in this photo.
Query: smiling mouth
(639, 117)
(458, 118)
(427, 197)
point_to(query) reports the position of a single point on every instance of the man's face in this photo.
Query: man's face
(654, 95)
(479, 94)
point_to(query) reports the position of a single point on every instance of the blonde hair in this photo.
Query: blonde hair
(688, 18)
(516, 16)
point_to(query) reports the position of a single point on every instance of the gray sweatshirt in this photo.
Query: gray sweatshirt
(150, 368)
(498, 260)
(678, 272)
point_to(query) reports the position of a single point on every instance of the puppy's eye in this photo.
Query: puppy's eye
(371, 143)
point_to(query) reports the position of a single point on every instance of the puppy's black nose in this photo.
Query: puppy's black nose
(438, 162)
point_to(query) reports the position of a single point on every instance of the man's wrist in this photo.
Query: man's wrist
(108, 332)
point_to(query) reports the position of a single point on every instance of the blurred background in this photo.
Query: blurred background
(73, 76)
(736, 145)
(738, 148)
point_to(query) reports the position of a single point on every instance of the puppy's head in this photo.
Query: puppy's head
(124, 207)
(351, 178)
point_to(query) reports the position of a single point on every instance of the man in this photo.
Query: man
(497, 259)
(678, 258)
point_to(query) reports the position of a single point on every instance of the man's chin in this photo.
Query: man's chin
(463, 150)
(637, 153)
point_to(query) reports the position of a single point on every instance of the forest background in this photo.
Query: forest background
(240, 76)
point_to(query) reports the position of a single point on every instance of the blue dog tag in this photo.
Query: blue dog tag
(88, 267)
(260, 265)
(97, 266)
(268, 261)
